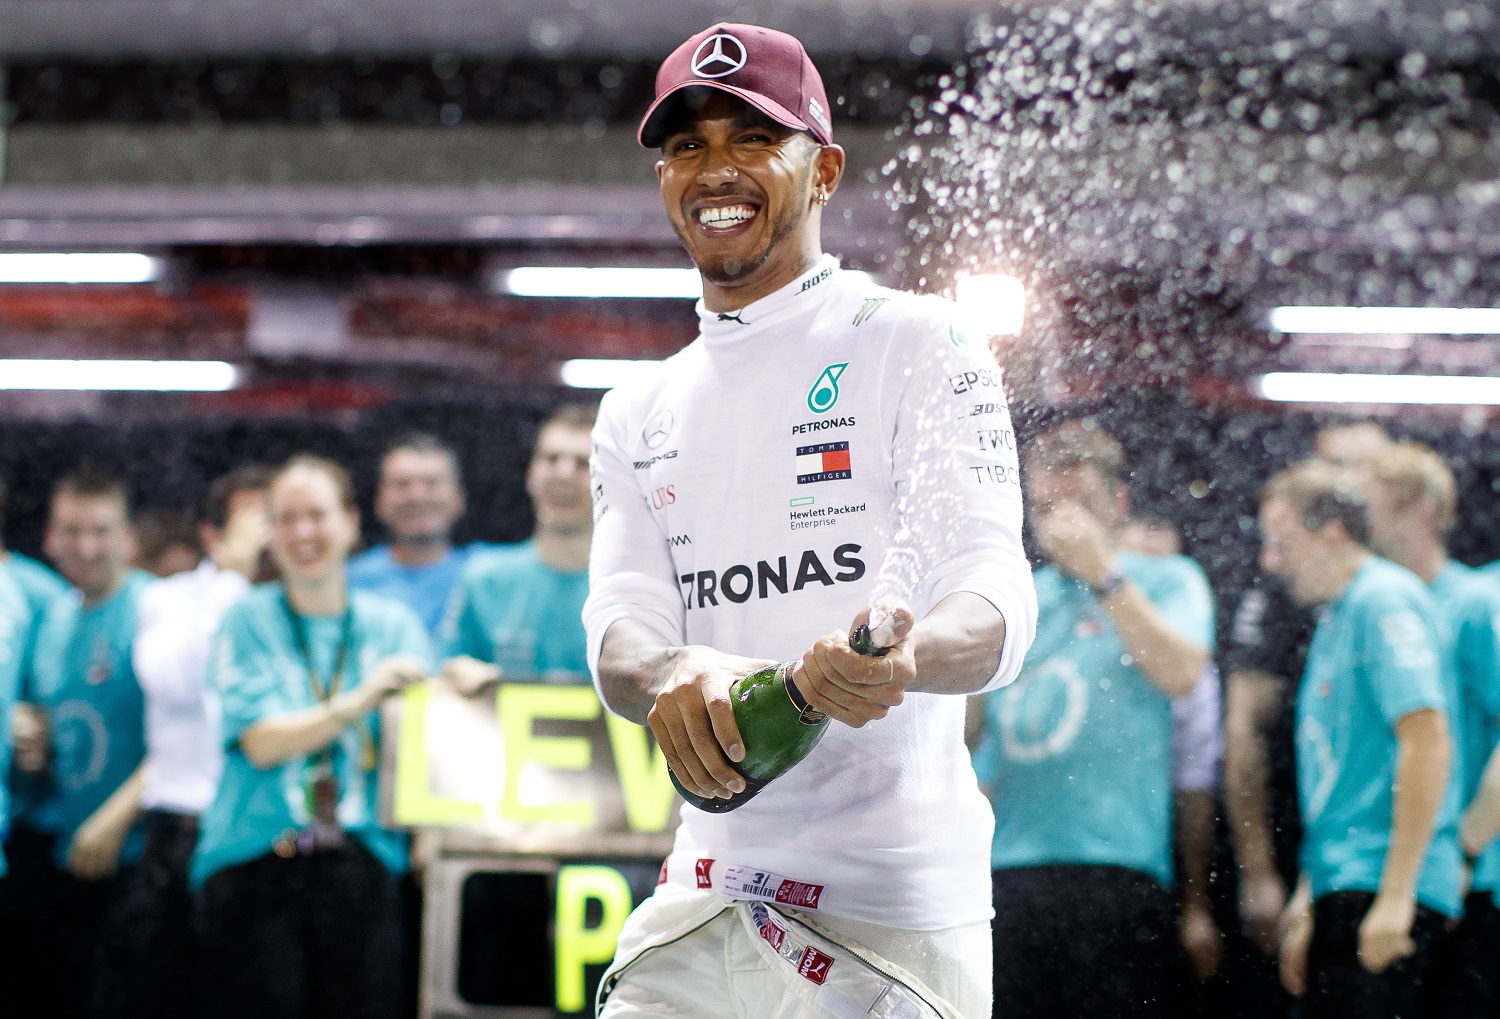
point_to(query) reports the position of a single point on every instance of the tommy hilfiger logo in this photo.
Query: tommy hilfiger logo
(826, 461)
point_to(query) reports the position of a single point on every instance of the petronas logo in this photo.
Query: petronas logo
(868, 309)
(825, 392)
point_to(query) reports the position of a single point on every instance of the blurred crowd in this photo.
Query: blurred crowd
(190, 758)
(194, 727)
(1359, 787)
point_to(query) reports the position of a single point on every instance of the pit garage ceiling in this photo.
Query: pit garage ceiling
(623, 28)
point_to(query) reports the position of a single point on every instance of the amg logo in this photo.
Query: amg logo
(740, 583)
(680, 539)
(642, 465)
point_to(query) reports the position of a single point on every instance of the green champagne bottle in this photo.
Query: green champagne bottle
(777, 724)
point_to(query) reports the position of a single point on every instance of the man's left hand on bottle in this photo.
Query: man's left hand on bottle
(855, 688)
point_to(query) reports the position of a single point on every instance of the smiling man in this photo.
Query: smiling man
(745, 500)
(419, 498)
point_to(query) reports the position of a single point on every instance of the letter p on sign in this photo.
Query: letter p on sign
(578, 945)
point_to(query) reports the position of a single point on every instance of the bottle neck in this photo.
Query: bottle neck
(806, 713)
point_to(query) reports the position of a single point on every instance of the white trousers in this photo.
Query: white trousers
(701, 954)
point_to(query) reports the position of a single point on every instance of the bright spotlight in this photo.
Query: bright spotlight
(994, 303)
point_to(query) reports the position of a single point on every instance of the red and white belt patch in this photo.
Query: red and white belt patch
(748, 883)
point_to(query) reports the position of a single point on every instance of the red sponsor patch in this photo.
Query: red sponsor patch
(703, 867)
(799, 894)
(661, 878)
(814, 965)
(773, 934)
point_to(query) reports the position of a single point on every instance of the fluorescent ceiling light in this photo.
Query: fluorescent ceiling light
(604, 281)
(119, 376)
(591, 373)
(1329, 387)
(79, 267)
(994, 303)
(577, 281)
(1374, 321)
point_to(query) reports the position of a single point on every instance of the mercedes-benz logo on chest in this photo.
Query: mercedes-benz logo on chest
(657, 429)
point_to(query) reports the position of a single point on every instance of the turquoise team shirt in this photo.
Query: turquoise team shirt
(15, 638)
(42, 587)
(426, 590)
(1379, 653)
(1470, 603)
(1077, 752)
(81, 673)
(515, 611)
(258, 673)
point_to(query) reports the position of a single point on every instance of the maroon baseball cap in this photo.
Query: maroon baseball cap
(768, 69)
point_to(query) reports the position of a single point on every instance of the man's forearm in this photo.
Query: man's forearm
(123, 807)
(634, 662)
(1169, 660)
(1194, 822)
(1481, 822)
(1247, 774)
(958, 645)
(1422, 760)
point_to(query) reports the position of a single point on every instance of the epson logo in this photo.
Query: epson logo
(818, 426)
(642, 465)
(979, 378)
(740, 583)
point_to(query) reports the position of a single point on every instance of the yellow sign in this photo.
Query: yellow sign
(540, 768)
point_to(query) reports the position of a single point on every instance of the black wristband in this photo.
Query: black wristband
(1109, 586)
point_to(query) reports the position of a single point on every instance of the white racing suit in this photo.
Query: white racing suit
(704, 955)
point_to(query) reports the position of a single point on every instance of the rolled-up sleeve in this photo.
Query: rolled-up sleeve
(630, 564)
(958, 484)
(244, 671)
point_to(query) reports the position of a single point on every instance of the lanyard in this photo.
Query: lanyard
(323, 693)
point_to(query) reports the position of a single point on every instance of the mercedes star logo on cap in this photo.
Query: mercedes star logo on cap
(718, 62)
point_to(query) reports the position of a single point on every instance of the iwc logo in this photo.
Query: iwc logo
(657, 430)
(718, 56)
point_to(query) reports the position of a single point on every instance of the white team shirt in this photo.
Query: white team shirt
(178, 618)
(746, 497)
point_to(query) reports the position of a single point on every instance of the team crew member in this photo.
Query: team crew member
(1078, 756)
(519, 607)
(84, 750)
(1267, 647)
(1380, 858)
(419, 498)
(39, 584)
(15, 635)
(745, 498)
(299, 880)
(1412, 503)
(178, 620)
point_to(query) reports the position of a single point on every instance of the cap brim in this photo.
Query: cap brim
(653, 130)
